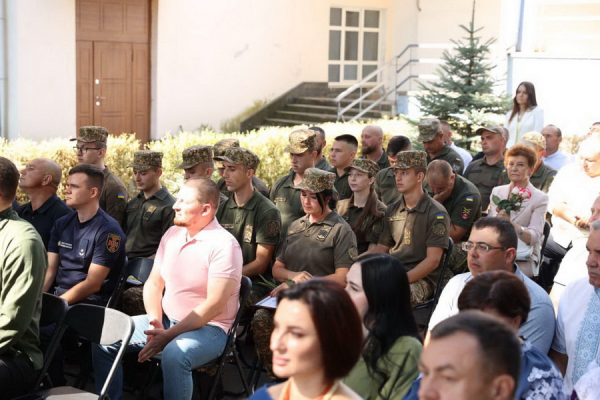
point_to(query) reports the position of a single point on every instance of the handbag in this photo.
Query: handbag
(523, 251)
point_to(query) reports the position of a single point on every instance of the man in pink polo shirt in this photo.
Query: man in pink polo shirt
(199, 266)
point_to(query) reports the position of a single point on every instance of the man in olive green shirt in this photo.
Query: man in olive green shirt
(321, 162)
(23, 266)
(302, 148)
(198, 163)
(432, 137)
(385, 181)
(486, 173)
(250, 217)
(415, 228)
(371, 140)
(343, 152)
(219, 150)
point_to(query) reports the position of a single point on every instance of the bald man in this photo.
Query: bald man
(39, 181)
(371, 140)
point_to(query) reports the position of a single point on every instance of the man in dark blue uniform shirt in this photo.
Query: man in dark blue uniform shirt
(86, 251)
(39, 180)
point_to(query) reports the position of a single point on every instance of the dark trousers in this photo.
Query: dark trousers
(16, 376)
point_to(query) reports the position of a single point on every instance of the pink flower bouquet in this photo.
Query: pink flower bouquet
(515, 200)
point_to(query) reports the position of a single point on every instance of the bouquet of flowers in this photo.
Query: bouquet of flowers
(514, 201)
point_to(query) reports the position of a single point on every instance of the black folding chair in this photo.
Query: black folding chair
(54, 310)
(98, 325)
(430, 304)
(230, 353)
(139, 268)
(114, 297)
(544, 276)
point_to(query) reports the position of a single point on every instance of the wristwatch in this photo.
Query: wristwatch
(290, 282)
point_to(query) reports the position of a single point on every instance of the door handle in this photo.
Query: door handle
(100, 98)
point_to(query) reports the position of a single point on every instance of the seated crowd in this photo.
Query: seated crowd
(378, 223)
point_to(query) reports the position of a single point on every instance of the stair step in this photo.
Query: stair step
(332, 110)
(288, 122)
(302, 116)
(330, 102)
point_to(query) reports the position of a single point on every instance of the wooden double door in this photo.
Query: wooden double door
(113, 65)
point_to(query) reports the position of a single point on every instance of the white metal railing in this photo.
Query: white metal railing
(386, 80)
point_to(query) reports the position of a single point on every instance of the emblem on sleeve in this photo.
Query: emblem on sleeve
(353, 253)
(273, 228)
(113, 242)
(439, 229)
(466, 213)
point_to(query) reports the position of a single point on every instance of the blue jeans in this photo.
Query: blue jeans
(186, 352)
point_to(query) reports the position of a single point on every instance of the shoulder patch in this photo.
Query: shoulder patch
(439, 216)
(323, 232)
(439, 229)
(273, 228)
(113, 242)
(466, 213)
(353, 253)
(121, 196)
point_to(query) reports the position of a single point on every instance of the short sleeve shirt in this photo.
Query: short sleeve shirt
(370, 229)
(114, 196)
(409, 232)
(45, 216)
(287, 200)
(385, 186)
(99, 240)
(187, 264)
(486, 177)
(147, 220)
(256, 222)
(464, 204)
(452, 157)
(319, 248)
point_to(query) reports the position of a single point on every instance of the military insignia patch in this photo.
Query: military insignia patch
(280, 199)
(248, 233)
(439, 216)
(439, 229)
(470, 198)
(273, 228)
(113, 242)
(466, 213)
(353, 252)
(323, 232)
(149, 212)
(407, 236)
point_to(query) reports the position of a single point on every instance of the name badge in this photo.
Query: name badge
(65, 245)
(280, 199)
(227, 226)
(149, 212)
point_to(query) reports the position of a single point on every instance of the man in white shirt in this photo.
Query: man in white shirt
(492, 247)
(554, 158)
(577, 339)
(464, 154)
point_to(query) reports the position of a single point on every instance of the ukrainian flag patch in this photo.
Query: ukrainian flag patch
(439, 216)
(120, 195)
(470, 198)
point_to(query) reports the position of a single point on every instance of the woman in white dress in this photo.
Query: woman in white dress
(525, 115)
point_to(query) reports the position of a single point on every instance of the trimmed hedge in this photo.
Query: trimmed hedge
(267, 143)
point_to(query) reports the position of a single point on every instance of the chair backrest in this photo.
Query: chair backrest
(54, 311)
(114, 296)
(102, 326)
(140, 268)
(444, 267)
(245, 288)
(545, 234)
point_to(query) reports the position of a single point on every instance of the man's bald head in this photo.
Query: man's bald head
(439, 169)
(374, 129)
(371, 139)
(206, 190)
(40, 174)
(50, 167)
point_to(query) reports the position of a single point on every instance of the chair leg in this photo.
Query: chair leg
(238, 364)
(148, 381)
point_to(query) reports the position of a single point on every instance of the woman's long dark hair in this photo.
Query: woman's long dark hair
(390, 315)
(531, 100)
(370, 210)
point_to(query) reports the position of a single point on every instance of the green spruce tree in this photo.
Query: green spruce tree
(464, 93)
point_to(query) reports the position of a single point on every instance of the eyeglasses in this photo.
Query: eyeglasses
(84, 150)
(480, 247)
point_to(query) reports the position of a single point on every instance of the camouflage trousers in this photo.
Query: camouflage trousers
(262, 327)
(420, 291)
(458, 260)
(132, 301)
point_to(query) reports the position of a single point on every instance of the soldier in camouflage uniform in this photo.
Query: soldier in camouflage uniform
(542, 176)
(198, 163)
(363, 211)
(461, 200)
(250, 217)
(149, 215)
(319, 244)
(415, 228)
(432, 137)
(343, 152)
(385, 181)
(219, 150)
(302, 148)
(91, 149)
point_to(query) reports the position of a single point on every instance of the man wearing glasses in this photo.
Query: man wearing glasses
(91, 149)
(492, 247)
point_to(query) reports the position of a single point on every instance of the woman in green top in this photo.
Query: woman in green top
(378, 286)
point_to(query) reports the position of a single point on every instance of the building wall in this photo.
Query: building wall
(41, 100)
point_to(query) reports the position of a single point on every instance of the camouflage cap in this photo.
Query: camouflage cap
(242, 156)
(428, 128)
(316, 180)
(196, 155)
(301, 140)
(92, 134)
(410, 159)
(146, 159)
(491, 128)
(221, 147)
(364, 165)
(534, 139)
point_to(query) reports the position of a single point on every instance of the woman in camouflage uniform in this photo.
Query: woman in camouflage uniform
(319, 244)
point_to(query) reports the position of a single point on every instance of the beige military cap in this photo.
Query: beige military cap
(364, 165)
(301, 140)
(534, 139)
(92, 134)
(196, 155)
(146, 159)
(316, 180)
(239, 155)
(410, 159)
(428, 129)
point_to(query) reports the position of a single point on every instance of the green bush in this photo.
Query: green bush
(267, 143)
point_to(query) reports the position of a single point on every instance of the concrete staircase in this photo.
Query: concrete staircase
(311, 106)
